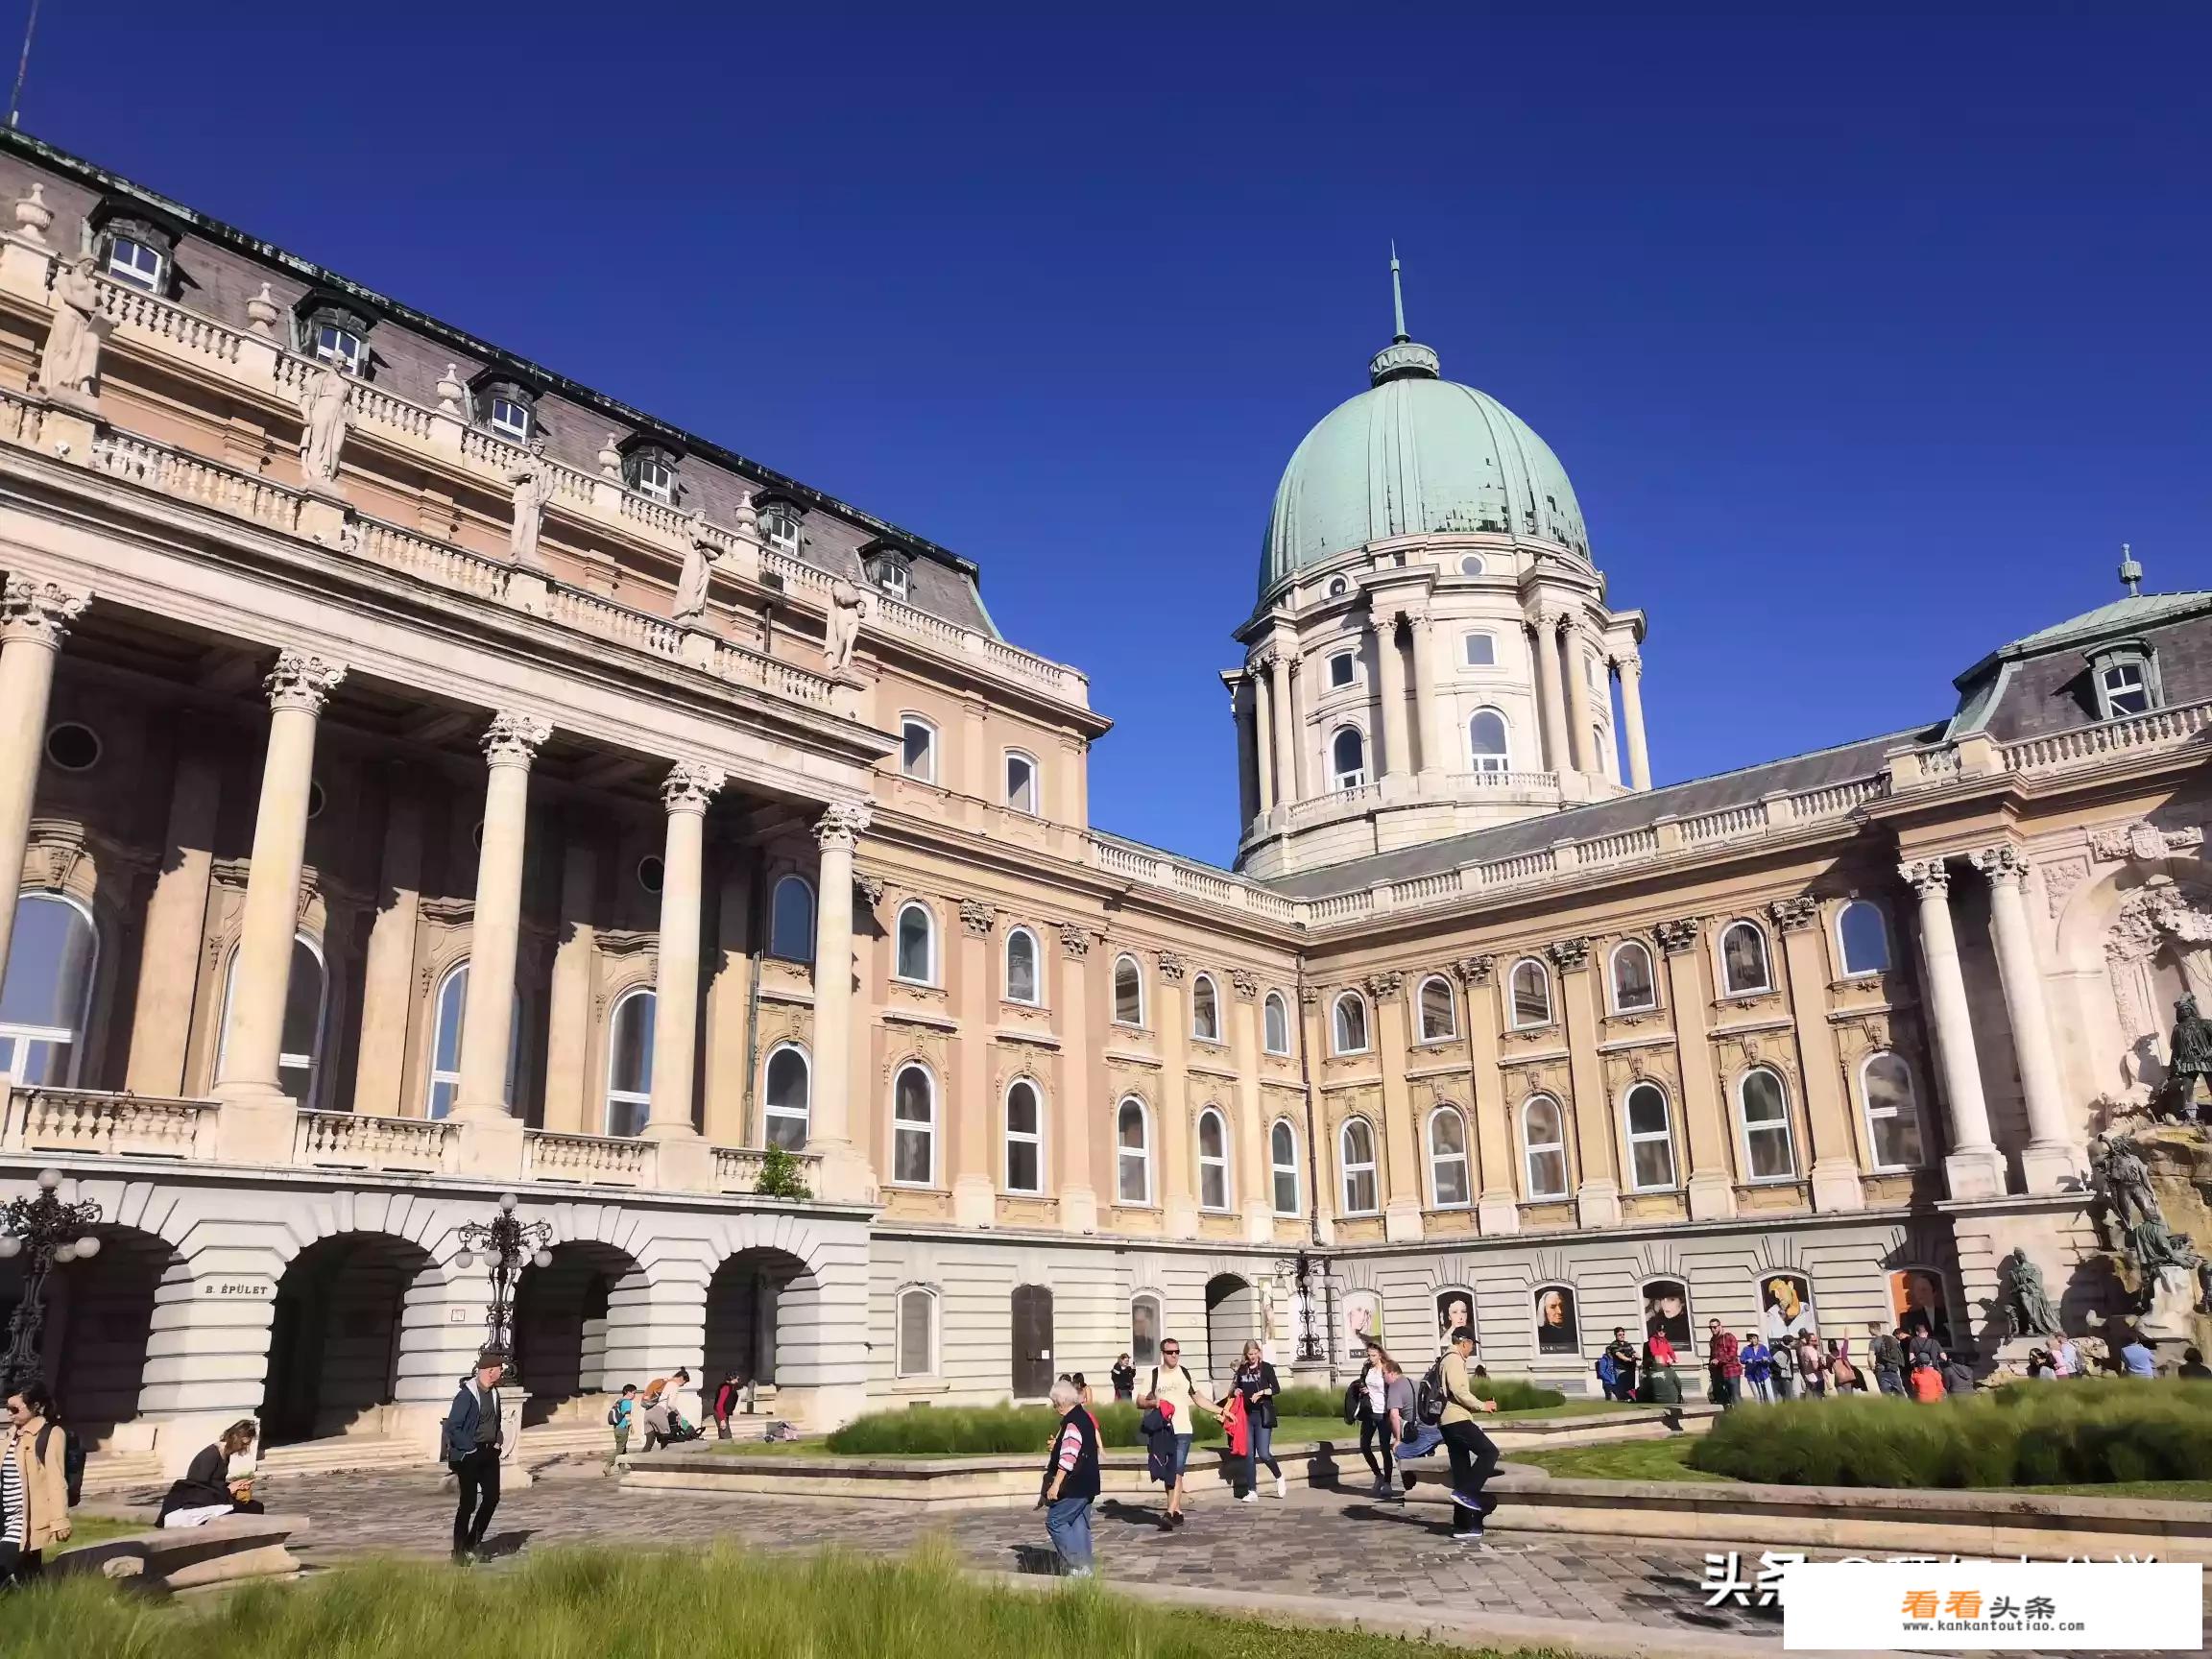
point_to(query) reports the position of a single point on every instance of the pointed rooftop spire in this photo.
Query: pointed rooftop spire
(1397, 298)
(2130, 572)
(1404, 358)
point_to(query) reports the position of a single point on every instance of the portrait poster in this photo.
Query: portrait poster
(1556, 1331)
(1785, 1306)
(1453, 1308)
(1917, 1298)
(1667, 1311)
(1362, 1321)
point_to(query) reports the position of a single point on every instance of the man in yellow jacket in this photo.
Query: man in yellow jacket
(33, 1483)
(1474, 1453)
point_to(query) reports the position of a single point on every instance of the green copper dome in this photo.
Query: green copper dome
(1414, 454)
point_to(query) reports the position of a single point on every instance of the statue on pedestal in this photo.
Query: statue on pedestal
(2191, 1049)
(533, 479)
(2028, 1310)
(69, 367)
(699, 555)
(841, 625)
(322, 431)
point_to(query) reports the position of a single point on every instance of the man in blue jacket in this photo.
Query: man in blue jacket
(470, 1445)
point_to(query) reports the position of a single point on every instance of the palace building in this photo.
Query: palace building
(431, 778)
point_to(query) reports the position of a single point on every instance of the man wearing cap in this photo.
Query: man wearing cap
(1474, 1453)
(470, 1445)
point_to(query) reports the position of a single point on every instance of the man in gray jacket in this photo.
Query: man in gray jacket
(470, 1445)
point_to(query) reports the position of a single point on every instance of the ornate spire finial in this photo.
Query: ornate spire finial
(1404, 358)
(1397, 298)
(2130, 572)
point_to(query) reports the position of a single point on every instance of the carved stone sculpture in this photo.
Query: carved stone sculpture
(2191, 1049)
(69, 367)
(533, 480)
(699, 555)
(2028, 1307)
(2122, 1179)
(849, 608)
(322, 434)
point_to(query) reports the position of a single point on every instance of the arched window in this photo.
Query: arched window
(1768, 1150)
(1651, 1138)
(48, 994)
(1212, 1160)
(1864, 938)
(1744, 960)
(791, 920)
(1529, 993)
(1487, 747)
(1348, 757)
(917, 1333)
(1205, 1010)
(1144, 1330)
(1448, 1158)
(1355, 1156)
(788, 1097)
(1022, 966)
(445, 1043)
(1544, 1147)
(917, 945)
(1439, 1017)
(1024, 1138)
(1480, 650)
(1275, 1016)
(1893, 1114)
(1283, 1166)
(918, 749)
(1635, 988)
(914, 1127)
(1133, 1152)
(1128, 992)
(630, 1062)
(1021, 781)
(1350, 1023)
(299, 1049)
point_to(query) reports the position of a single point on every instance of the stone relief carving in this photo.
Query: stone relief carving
(322, 409)
(870, 888)
(2143, 841)
(1172, 967)
(1382, 986)
(1074, 941)
(849, 608)
(2154, 916)
(1927, 877)
(842, 822)
(1245, 983)
(69, 367)
(1473, 970)
(511, 740)
(1793, 914)
(39, 611)
(532, 478)
(689, 785)
(978, 917)
(1568, 954)
(302, 680)
(2060, 877)
(1678, 935)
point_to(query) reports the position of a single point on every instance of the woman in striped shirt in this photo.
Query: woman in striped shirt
(34, 1489)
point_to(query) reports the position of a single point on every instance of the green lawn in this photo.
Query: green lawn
(619, 1603)
(87, 1529)
(1626, 1460)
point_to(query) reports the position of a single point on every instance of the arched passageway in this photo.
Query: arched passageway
(746, 1302)
(562, 1314)
(99, 1313)
(335, 1335)
(1232, 1319)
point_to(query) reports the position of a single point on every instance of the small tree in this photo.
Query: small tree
(780, 1176)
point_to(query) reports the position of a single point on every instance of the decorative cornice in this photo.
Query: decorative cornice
(1245, 983)
(1473, 970)
(1927, 877)
(1568, 954)
(38, 612)
(2001, 863)
(1172, 967)
(842, 822)
(1677, 935)
(1793, 915)
(513, 739)
(1380, 985)
(978, 917)
(689, 785)
(302, 681)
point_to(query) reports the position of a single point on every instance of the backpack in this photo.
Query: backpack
(1354, 1400)
(1608, 1373)
(72, 1459)
(615, 1415)
(1428, 1398)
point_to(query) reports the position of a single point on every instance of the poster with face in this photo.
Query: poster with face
(1666, 1310)
(1917, 1299)
(1453, 1308)
(1363, 1322)
(1785, 1306)
(1556, 1331)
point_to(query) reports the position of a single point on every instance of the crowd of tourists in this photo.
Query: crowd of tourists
(1905, 1360)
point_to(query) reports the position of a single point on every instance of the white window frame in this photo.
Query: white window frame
(1910, 1111)
(893, 577)
(780, 527)
(516, 430)
(1357, 777)
(1513, 1020)
(1198, 1032)
(1728, 986)
(1124, 1154)
(1450, 1029)
(770, 1109)
(1531, 1149)
(129, 272)
(1467, 657)
(925, 1127)
(792, 879)
(923, 771)
(1336, 1044)
(1217, 1162)
(1013, 1137)
(1437, 1160)
(1280, 1005)
(1744, 1128)
(2109, 693)
(286, 1061)
(914, 906)
(1663, 1136)
(654, 479)
(1845, 969)
(1277, 1169)
(343, 348)
(1613, 977)
(1349, 1170)
(452, 1079)
(1350, 670)
(921, 1295)
(1036, 968)
(610, 1095)
(1114, 990)
(16, 1038)
(1028, 799)
(1485, 761)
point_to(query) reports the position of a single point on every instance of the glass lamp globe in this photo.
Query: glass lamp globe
(507, 1203)
(65, 1253)
(465, 1260)
(87, 1246)
(11, 1246)
(542, 1259)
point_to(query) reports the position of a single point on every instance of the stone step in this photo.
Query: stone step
(110, 1472)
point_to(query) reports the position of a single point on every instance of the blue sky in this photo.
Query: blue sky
(1865, 341)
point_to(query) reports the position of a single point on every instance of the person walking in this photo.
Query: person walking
(1374, 1386)
(1123, 1376)
(1070, 1480)
(1758, 1368)
(1402, 1418)
(1256, 1383)
(210, 1489)
(1812, 1369)
(725, 1401)
(1886, 1352)
(1725, 1361)
(620, 1416)
(470, 1445)
(33, 1484)
(1172, 1386)
(1473, 1454)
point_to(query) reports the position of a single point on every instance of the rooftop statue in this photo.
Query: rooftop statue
(849, 608)
(699, 554)
(322, 432)
(533, 479)
(70, 364)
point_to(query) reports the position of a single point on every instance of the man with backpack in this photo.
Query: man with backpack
(619, 1417)
(1474, 1453)
(1178, 1393)
(1887, 1355)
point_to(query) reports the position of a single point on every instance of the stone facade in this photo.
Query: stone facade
(310, 766)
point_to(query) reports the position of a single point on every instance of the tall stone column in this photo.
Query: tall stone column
(729, 997)
(1263, 720)
(257, 1117)
(1171, 1027)
(1072, 1117)
(684, 793)
(35, 616)
(1437, 750)
(1243, 704)
(845, 1178)
(1498, 1203)
(176, 920)
(1975, 1168)
(2048, 1161)
(1396, 758)
(495, 929)
(388, 994)
(1582, 727)
(1631, 671)
(1834, 1167)
(568, 996)
(1712, 1183)
(1549, 715)
(1406, 1194)
(1287, 734)
(1255, 1183)
(971, 1109)
(1598, 1195)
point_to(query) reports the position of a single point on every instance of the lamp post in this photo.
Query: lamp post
(1299, 1269)
(54, 1232)
(507, 1244)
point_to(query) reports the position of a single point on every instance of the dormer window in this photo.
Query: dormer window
(650, 469)
(342, 346)
(131, 260)
(333, 332)
(135, 249)
(890, 568)
(779, 526)
(2126, 681)
(510, 419)
(507, 408)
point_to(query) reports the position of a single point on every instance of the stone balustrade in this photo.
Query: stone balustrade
(348, 1141)
(82, 1121)
(738, 1168)
(587, 1160)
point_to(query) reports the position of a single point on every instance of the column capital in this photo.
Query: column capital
(1245, 983)
(841, 824)
(1794, 915)
(1628, 666)
(868, 887)
(38, 612)
(1075, 940)
(1568, 954)
(2001, 863)
(1678, 935)
(513, 739)
(1473, 970)
(1265, 662)
(1929, 877)
(1380, 987)
(978, 917)
(303, 681)
(689, 785)
(1170, 966)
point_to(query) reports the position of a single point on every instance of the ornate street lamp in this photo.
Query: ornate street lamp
(506, 1244)
(54, 1232)
(1300, 1270)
